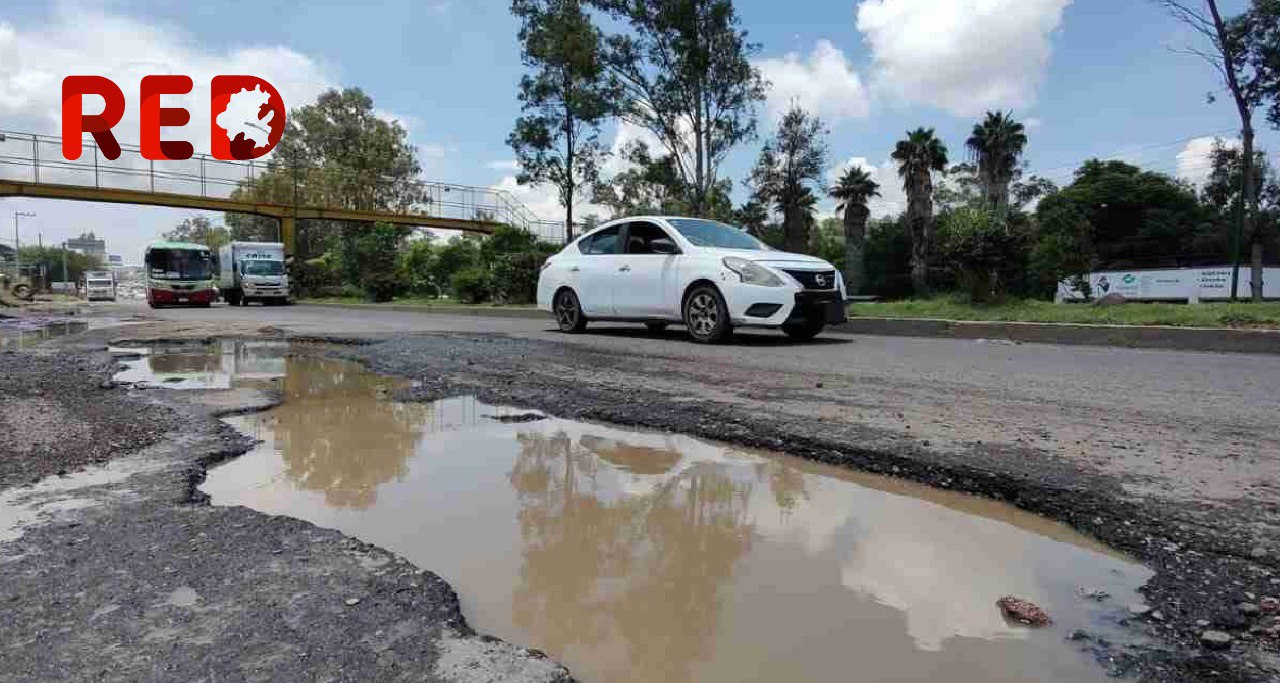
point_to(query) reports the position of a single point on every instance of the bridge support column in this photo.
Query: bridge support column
(289, 234)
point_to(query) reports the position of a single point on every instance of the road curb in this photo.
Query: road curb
(478, 311)
(1128, 336)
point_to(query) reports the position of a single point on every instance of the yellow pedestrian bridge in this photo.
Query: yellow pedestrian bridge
(33, 166)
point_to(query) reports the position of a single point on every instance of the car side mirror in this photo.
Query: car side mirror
(663, 246)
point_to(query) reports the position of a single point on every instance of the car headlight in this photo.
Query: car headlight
(752, 273)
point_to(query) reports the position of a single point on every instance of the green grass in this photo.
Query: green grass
(952, 307)
(404, 301)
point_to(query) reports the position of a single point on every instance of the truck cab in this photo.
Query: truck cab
(253, 271)
(100, 285)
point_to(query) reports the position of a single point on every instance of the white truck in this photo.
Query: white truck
(253, 271)
(100, 285)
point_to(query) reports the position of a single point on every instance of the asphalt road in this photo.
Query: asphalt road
(1151, 414)
(1168, 455)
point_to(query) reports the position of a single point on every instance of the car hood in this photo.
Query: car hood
(782, 259)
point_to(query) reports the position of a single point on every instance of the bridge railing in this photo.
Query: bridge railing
(38, 159)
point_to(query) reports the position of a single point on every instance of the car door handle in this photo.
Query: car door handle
(574, 269)
(625, 269)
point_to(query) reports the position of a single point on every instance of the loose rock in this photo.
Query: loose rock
(1216, 640)
(1023, 612)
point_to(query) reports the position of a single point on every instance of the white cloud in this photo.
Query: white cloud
(892, 200)
(1195, 161)
(35, 57)
(34, 60)
(824, 83)
(964, 56)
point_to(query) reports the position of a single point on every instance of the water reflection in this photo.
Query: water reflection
(221, 365)
(21, 333)
(637, 556)
(638, 572)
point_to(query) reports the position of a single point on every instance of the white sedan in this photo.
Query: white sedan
(709, 276)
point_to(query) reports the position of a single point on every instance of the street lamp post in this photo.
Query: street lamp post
(17, 258)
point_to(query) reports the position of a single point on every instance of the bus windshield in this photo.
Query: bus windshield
(257, 267)
(179, 264)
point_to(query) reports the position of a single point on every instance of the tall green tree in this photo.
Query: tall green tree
(1262, 40)
(1222, 195)
(1115, 215)
(854, 189)
(791, 161)
(563, 100)
(1225, 43)
(337, 152)
(918, 157)
(685, 73)
(996, 144)
(199, 230)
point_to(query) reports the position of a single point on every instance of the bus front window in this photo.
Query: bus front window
(180, 264)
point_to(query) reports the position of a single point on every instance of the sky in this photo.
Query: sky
(1089, 78)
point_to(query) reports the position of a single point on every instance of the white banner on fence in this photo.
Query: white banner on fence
(1177, 284)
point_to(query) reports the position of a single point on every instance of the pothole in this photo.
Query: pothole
(635, 555)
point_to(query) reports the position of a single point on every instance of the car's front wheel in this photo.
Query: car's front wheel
(568, 312)
(803, 331)
(706, 315)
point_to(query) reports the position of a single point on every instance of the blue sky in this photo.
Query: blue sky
(1091, 78)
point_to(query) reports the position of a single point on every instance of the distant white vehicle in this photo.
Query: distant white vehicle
(253, 271)
(100, 285)
(709, 276)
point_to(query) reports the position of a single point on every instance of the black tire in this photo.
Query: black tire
(707, 316)
(803, 331)
(232, 299)
(22, 292)
(656, 328)
(568, 312)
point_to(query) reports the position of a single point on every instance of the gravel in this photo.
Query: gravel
(124, 572)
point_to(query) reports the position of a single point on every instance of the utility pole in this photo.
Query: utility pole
(64, 266)
(17, 258)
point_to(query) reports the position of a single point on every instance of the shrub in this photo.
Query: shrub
(515, 276)
(472, 285)
(984, 251)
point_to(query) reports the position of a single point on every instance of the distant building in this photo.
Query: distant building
(6, 253)
(115, 261)
(89, 244)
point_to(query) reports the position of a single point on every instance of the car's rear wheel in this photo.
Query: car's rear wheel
(804, 331)
(568, 312)
(655, 328)
(706, 315)
(22, 292)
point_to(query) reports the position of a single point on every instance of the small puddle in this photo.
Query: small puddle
(21, 333)
(642, 556)
(221, 365)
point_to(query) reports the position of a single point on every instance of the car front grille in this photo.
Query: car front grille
(814, 279)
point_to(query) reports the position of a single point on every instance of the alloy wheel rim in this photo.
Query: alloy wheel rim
(566, 313)
(704, 315)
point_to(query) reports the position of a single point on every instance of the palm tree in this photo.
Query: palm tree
(918, 157)
(997, 143)
(853, 190)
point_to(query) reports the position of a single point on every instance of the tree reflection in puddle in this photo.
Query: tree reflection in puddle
(642, 556)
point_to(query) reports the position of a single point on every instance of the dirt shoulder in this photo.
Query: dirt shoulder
(118, 568)
(1194, 499)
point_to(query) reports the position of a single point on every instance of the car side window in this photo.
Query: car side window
(641, 235)
(607, 241)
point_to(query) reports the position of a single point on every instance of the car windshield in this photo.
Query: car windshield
(262, 267)
(179, 264)
(100, 283)
(704, 233)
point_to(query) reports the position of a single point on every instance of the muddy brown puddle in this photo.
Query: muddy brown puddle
(643, 556)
